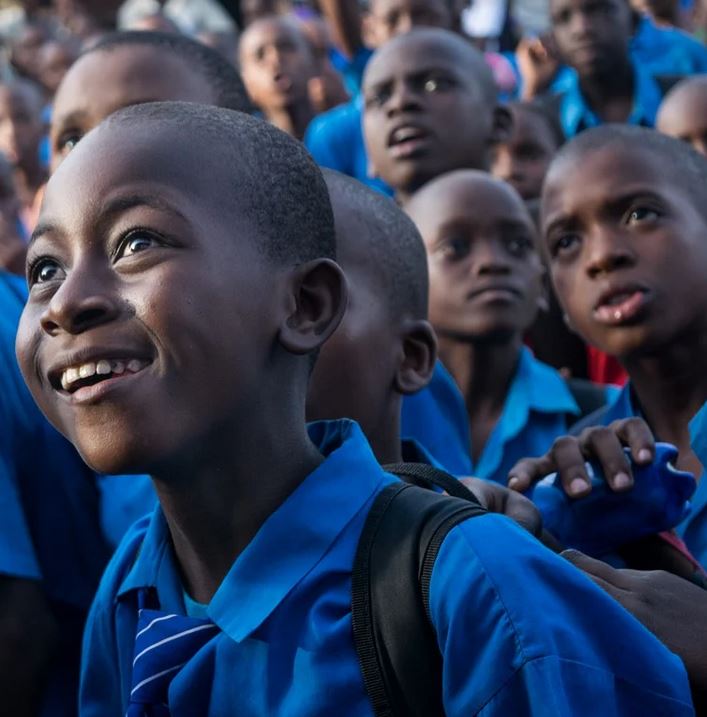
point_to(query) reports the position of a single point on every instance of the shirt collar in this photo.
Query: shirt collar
(415, 452)
(576, 115)
(288, 545)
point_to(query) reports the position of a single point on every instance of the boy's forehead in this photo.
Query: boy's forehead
(270, 30)
(411, 56)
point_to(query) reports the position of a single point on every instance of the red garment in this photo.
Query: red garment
(603, 368)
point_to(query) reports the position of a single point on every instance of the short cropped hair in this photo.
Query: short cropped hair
(689, 167)
(220, 75)
(392, 241)
(275, 183)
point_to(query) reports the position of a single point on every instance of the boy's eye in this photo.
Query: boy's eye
(43, 271)
(455, 248)
(68, 141)
(134, 243)
(437, 84)
(378, 97)
(519, 245)
(642, 214)
(564, 244)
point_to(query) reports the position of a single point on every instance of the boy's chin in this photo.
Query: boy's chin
(114, 460)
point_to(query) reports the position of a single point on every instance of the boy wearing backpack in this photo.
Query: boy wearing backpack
(234, 597)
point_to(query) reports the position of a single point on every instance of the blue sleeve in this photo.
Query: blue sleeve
(522, 632)
(106, 656)
(17, 555)
(330, 139)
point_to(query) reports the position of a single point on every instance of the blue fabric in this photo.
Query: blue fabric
(335, 140)
(124, 500)
(576, 115)
(163, 644)
(667, 50)
(693, 530)
(436, 418)
(351, 69)
(49, 509)
(541, 640)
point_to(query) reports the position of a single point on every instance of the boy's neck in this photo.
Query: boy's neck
(484, 372)
(293, 119)
(611, 96)
(216, 505)
(671, 388)
(385, 438)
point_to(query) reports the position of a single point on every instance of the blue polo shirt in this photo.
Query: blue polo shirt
(521, 630)
(693, 530)
(576, 116)
(49, 509)
(667, 50)
(535, 414)
(335, 140)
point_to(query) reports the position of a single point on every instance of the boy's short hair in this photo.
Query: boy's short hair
(688, 166)
(396, 250)
(279, 187)
(221, 76)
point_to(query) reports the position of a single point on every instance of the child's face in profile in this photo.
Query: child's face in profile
(485, 272)
(146, 318)
(21, 126)
(627, 249)
(277, 63)
(523, 160)
(424, 114)
(684, 116)
(388, 18)
(101, 83)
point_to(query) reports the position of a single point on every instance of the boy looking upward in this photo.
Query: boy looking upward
(254, 540)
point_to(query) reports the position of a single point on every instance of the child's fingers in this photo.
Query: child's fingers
(528, 471)
(603, 574)
(569, 461)
(635, 433)
(601, 443)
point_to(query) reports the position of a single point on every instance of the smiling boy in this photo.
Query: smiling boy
(234, 597)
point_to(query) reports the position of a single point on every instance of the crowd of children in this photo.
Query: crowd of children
(279, 281)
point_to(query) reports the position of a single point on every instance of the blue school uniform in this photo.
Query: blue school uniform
(667, 50)
(693, 530)
(538, 640)
(335, 140)
(49, 510)
(576, 116)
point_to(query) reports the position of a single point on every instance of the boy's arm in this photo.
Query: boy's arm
(673, 609)
(344, 18)
(524, 633)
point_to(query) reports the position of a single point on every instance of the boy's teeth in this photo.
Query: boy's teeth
(103, 367)
(71, 374)
(87, 370)
(117, 367)
(134, 365)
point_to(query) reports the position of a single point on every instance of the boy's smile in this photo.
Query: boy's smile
(142, 302)
(627, 247)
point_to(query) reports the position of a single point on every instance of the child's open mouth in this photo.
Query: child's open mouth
(90, 373)
(620, 306)
(407, 141)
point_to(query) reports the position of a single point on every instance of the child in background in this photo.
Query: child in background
(251, 550)
(277, 62)
(21, 132)
(624, 228)
(485, 291)
(523, 159)
(430, 107)
(683, 114)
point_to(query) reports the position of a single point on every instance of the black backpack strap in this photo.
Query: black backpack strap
(395, 642)
(427, 476)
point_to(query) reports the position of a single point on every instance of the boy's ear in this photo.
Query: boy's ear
(316, 304)
(502, 125)
(419, 357)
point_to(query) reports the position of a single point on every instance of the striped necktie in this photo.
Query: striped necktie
(164, 643)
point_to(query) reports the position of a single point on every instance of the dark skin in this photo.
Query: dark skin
(126, 224)
(429, 109)
(593, 36)
(683, 114)
(102, 82)
(625, 240)
(485, 286)
(277, 63)
(525, 157)
(21, 131)
(375, 357)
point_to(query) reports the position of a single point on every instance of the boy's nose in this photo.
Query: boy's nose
(78, 305)
(607, 252)
(403, 99)
(489, 258)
